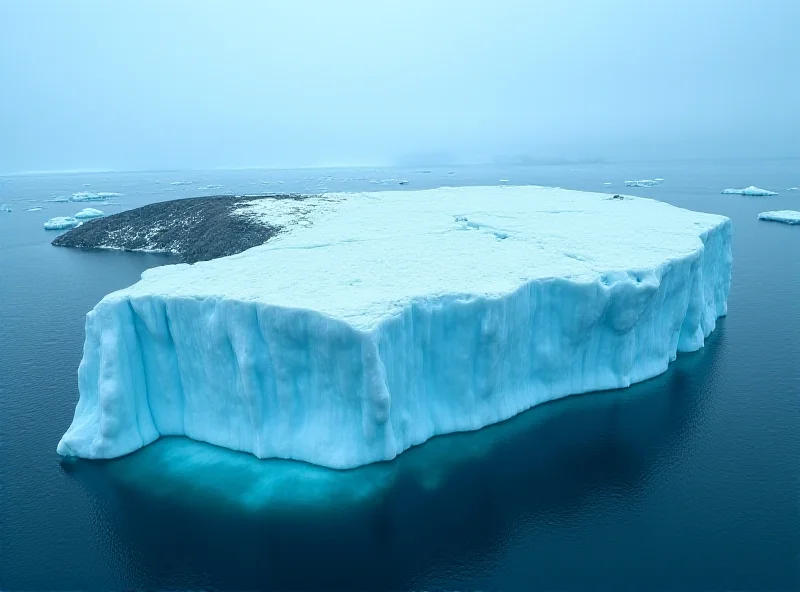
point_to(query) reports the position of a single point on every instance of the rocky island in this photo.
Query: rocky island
(194, 229)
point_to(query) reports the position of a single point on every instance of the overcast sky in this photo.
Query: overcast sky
(138, 84)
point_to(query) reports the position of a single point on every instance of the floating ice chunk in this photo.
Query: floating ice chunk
(181, 182)
(59, 199)
(785, 216)
(87, 213)
(91, 196)
(503, 181)
(606, 183)
(644, 183)
(752, 191)
(794, 189)
(403, 182)
(36, 209)
(658, 180)
(5, 208)
(209, 187)
(350, 340)
(61, 222)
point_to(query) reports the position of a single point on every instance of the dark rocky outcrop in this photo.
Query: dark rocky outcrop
(195, 229)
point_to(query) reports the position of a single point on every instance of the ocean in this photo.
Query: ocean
(689, 481)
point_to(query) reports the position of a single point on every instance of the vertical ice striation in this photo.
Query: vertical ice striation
(397, 317)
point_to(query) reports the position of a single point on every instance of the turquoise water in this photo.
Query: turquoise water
(689, 481)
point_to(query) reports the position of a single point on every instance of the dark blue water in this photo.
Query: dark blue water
(689, 481)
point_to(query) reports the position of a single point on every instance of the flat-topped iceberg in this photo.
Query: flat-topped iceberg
(87, 213)
(61, 222)
(785, 216)
(393, 317)
(644, 183)
(751, 191)
(92, 196)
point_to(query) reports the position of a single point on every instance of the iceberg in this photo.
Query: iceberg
(87, 213)
(61, 222)
(398, 316)
(90, 196)
(785, 216)
(644, 183)
(752, 191)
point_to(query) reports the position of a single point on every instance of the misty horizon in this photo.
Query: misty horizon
(181, 86)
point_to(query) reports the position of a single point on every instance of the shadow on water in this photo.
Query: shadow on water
(191, 514)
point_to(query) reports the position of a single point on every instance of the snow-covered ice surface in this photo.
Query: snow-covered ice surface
(87, 213)
(785, 216)
(61, 222)
(393, 317)
(752, 191)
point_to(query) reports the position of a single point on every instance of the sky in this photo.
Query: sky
(168, 84)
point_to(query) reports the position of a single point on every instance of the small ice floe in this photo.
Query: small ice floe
(644, 183)
(403, 182)
(793, 189)
(36, 209)
(5, 208)
(59, 199)
(61, 222)
(785, 216)
(606, 184)
(88, 213)
(752, 191)
(91, 196)
(503, 181)
(209, 187)
(181, 182)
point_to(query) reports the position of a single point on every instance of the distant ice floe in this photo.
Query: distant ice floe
(503, 181)
(5, 208)
(209, 187)
(785, 216)
(752, 190)
(793, 189)
(644, 183)
(181, 182)
(61, 222)
(87, 213)
(606, 184)
(36, 209)
(403, 182)
(91, 196)
(59, 199)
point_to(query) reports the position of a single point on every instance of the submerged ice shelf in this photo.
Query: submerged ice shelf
(392, 317)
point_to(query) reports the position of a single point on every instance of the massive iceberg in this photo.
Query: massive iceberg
(389, 318)
(785, 216)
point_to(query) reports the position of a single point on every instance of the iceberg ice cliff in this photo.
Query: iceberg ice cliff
(389, 318)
